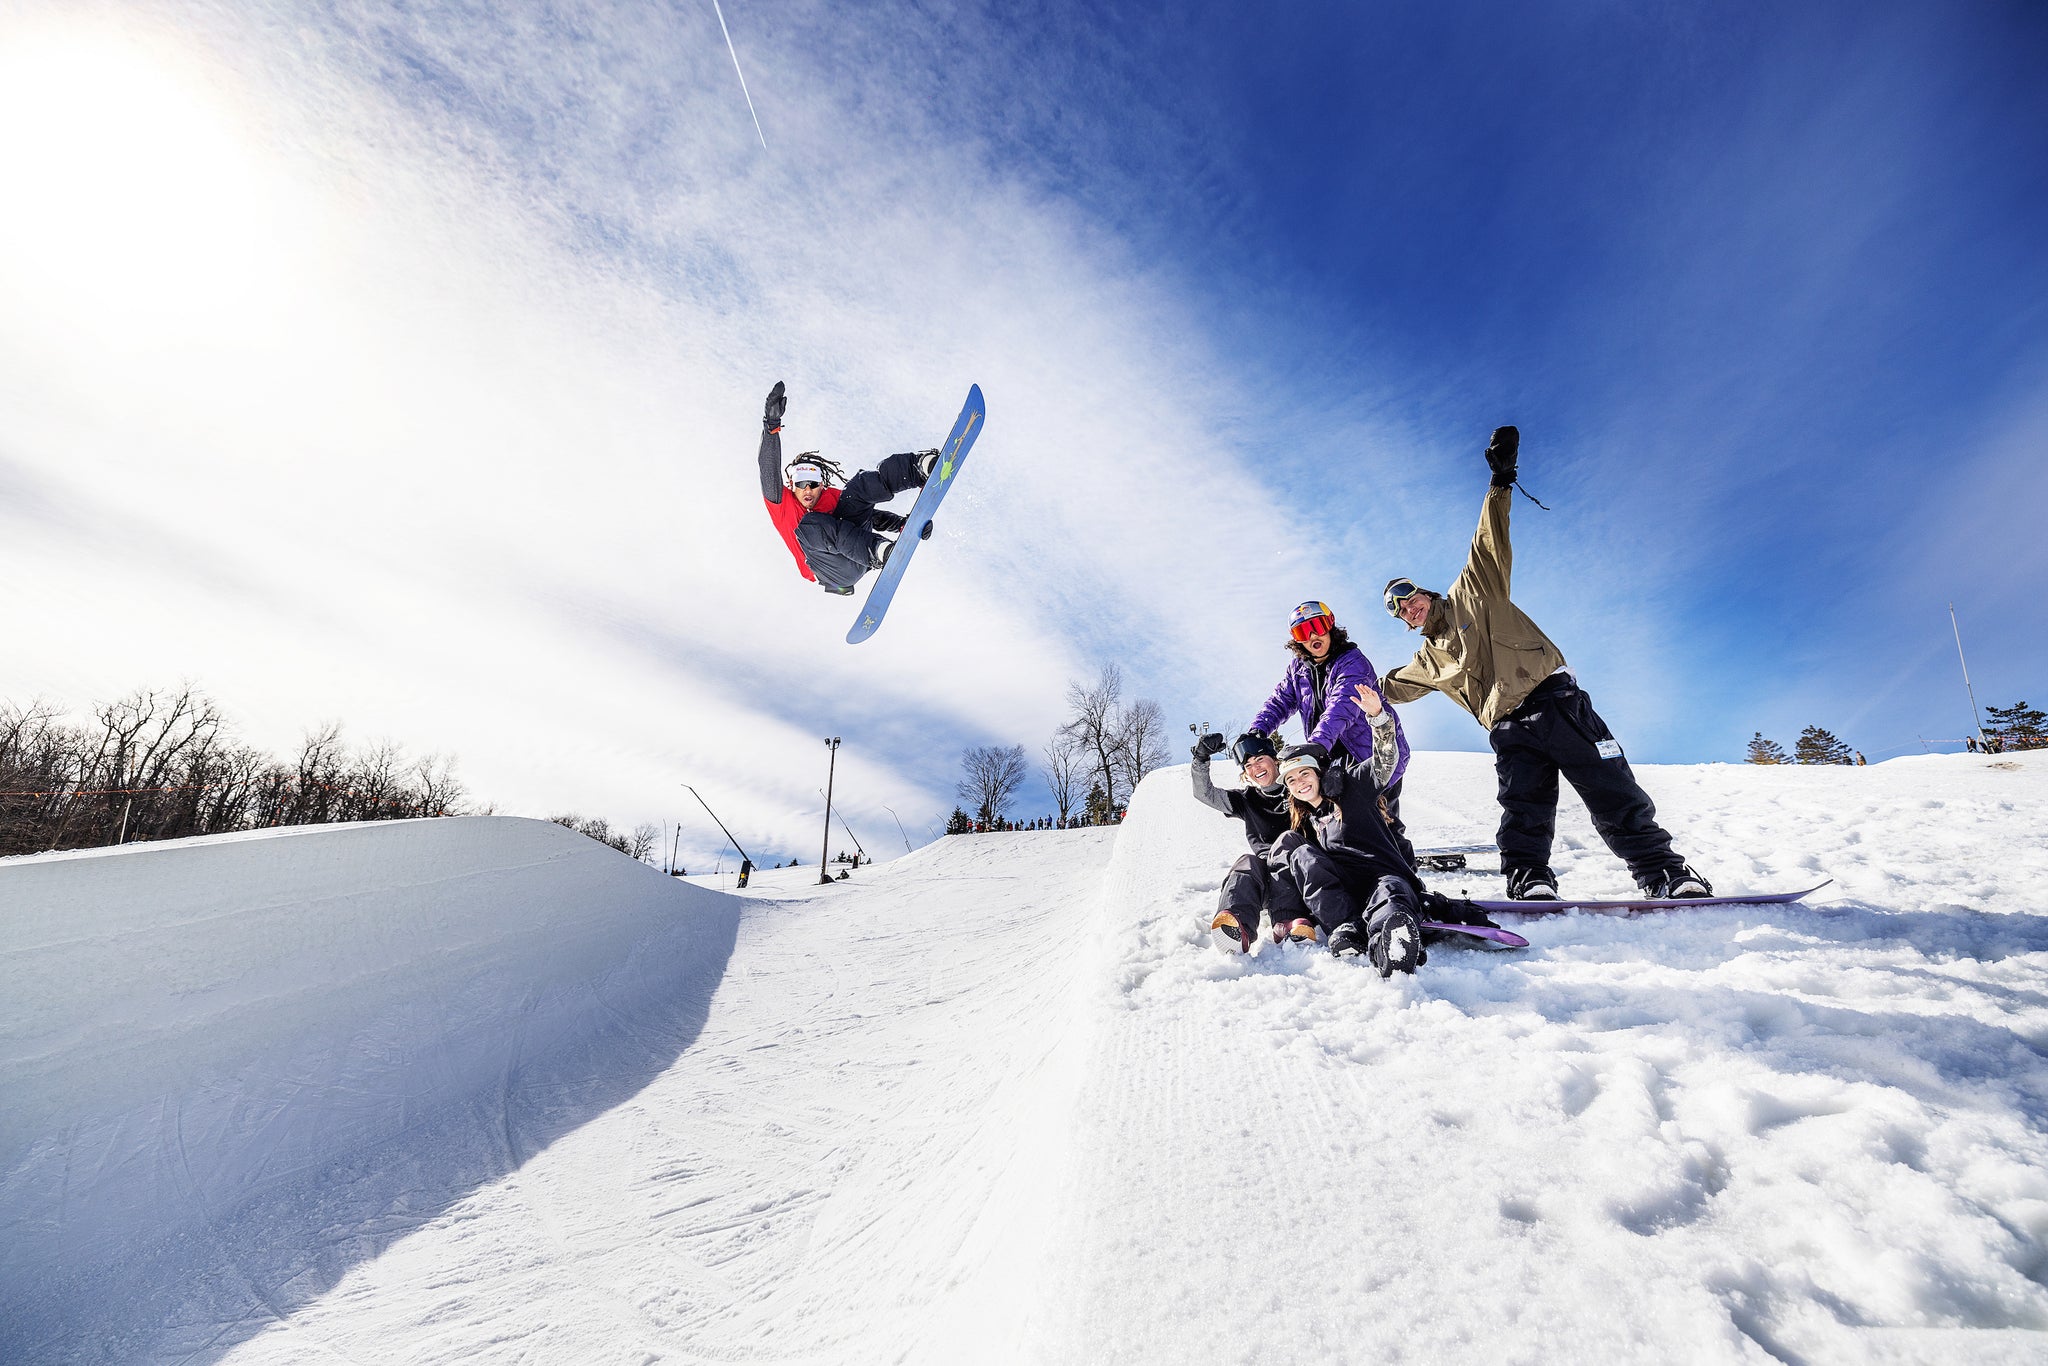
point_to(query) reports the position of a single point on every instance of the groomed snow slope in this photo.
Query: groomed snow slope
(1000, 1100)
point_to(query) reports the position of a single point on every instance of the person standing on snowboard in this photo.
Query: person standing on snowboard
(1321, 687)
(1482, 652)
(834, 533)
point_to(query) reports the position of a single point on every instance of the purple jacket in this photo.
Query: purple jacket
(1330, 714)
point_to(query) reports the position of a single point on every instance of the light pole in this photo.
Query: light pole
(831, 743)
(899, 826)
(863, 854)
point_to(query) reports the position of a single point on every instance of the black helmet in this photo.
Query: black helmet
(1250, 746)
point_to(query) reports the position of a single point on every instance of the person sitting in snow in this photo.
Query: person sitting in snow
(1253, 884)
(1482, 652)
(1343, 858)
(834, 533)
(1320, 687)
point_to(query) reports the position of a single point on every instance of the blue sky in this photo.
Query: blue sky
(481, 299)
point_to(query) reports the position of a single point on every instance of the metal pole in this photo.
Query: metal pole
(1966, 675)
(899, 827)
(746, 864)
(831, 743)
(850, 835)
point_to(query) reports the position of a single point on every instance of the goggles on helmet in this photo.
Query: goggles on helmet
(1397, 594)
(1312, 626)
(1251, 746)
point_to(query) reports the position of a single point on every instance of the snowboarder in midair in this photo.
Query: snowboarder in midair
(1479, 650)
(1320, 686)
(836, 534)
(1342, 854)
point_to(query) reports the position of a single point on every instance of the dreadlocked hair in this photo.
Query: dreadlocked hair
(1340, 641)
(833, 474)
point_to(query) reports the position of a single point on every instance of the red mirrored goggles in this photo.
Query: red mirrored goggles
(1314, 626)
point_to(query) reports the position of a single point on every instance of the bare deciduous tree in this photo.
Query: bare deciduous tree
(1063, 772)
(1094, 724)
(646, 836)
(990, 778)
(1141, 741)
(160, 765)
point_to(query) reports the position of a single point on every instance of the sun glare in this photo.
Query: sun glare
(137, 209)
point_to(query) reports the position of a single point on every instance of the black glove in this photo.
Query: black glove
(1208, 747)
(1500, 455)
(884, 521)
(771, 414)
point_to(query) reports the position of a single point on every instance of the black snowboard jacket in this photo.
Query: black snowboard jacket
(1350, 829)
(1264, 816)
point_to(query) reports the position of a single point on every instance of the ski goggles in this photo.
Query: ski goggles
(1398, 592)
(1312, 619)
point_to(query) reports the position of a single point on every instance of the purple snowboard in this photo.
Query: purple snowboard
(1553, 907)
(1493, 932)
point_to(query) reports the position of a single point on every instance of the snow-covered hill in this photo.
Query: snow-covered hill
(482, 1090)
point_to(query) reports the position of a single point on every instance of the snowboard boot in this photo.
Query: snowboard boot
(878, 552)
(1395, 944)
(927, 461)
(1532, 884)
(1229, 935)
(845, 592)
(1303, 930)
(1676, 884)
(1347, 940)
(885, 521)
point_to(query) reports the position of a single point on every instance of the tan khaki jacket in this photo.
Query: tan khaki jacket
(1478, 649)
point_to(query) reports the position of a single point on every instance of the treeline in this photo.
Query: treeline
(163, 765)
(1815, 746)
(2018, 726)
(1093, 762)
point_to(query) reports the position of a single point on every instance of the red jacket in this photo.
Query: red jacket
(785, 511)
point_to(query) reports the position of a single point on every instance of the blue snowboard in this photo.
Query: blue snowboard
(918, 520)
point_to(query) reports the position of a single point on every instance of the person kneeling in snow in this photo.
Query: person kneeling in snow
(1254, 883)
(1481, 651)
(1343, 857)
(834, 533)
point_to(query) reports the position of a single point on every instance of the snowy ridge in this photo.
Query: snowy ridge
(198, 1034)
(1814, 1134)
(1000, 1100)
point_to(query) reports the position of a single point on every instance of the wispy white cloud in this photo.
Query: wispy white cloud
(466, 380)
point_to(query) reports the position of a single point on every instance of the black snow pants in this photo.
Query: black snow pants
(1556, 731)
(1336, 885)
(837, 545)
(1253, 885)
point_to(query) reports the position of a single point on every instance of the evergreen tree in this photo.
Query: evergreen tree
(1762, 751)
(2019, 726)
(1817, 746)
(1098, 808)
(958, 824)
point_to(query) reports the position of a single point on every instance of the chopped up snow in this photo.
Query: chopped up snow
(484, 1091)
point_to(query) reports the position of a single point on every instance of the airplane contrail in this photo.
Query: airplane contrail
(742, 75)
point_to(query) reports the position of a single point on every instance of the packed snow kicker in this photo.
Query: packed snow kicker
(1001, 1099)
